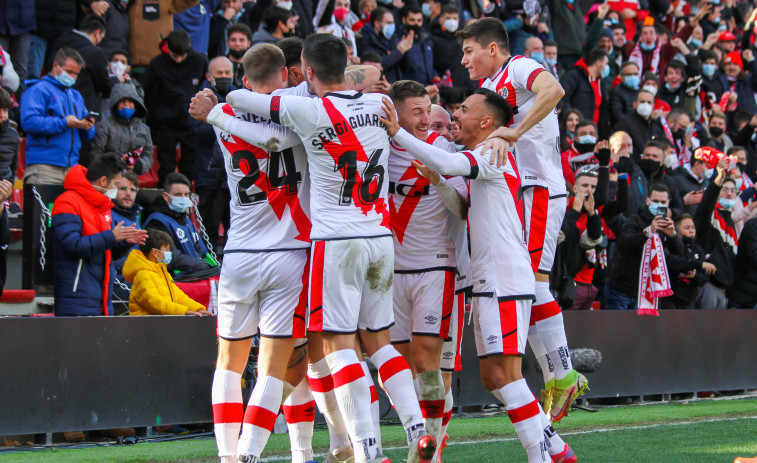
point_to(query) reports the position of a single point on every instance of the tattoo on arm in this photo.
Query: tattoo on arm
(297, 357)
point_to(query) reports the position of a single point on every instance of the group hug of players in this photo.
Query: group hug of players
(349, 235)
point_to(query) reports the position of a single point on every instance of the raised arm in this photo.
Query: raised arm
(435, 158)
(251, 102)
(271, 137)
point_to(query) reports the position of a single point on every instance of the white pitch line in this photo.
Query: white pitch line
(569, 433)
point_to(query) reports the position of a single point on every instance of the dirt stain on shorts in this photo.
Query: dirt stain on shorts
(378, 277)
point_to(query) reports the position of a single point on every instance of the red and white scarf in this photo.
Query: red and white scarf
(637, 58)
(727, 232)
(654, 281)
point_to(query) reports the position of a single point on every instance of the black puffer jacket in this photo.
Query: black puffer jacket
(118, 135)
(622, 99)
(688, 182)
(712, 239)
(8, 151)
(744, 290)
(683, 256)
(93, 81)
(447, 56)
(169, 86)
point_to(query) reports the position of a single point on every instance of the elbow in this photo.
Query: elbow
(557, 91)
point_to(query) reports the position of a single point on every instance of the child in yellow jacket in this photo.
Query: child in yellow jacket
(153, 291)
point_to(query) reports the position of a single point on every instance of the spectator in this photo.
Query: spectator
(240, 40)
(8, 77)
(679, 122)
(653, 217)
(292, 49)
(53, 18)
(93, 82)
(439, 122)
(6, 188)
(743, 293)
(691, 181)
(452, 98)
(170, 80)
(623, 95)
(150, 22)
(714, 82)
(581, 152)
(170, 213)
(744, 81)
(640, 124)
(379, 37)
(717, 138)
(18, 21)
(686, 266)
(365, 7)
(584, 89)
(116, 17)
(277, 24)
(340, 26)
(84, 236)
(447, 50)
(569, 28)
(55, 132)
(534, 49)
(649, 171)
(674, 90)
(8, 143)
(618, 41)
(119, 70)
(650, 53)
(195, 21)
(418, 62)
(550, 59)
(741, 211)
(124, 131)
(126, 210)
(432, 10)
(226, 16)
(569, 119)
(153, 291)
(651, 83)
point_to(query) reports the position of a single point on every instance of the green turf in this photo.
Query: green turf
(646, 433)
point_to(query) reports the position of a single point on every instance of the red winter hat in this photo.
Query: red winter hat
(735, 58)
(726, 36)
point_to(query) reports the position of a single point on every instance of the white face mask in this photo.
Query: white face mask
(670, 160)
(285, 5)
(118, 68)
(651, 89)
(451, 25)
(644, 109)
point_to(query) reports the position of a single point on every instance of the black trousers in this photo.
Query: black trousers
(166, 139)
(214, 209)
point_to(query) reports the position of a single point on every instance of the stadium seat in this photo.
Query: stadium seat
(21, 158)
(43, 315)
(18, 197)
(18, 296)
(596, 306)
(150, 178)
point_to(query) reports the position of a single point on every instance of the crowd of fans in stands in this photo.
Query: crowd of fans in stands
(649, 86)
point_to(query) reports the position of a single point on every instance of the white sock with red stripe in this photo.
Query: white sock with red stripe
(299, 413)
(498, 395)
(260, 415)
(354, 398)
(375, 410)
(449, 402)
(555, 444)
(228, 411)
(551, 331)
(398, 381)
(431, 400)
(524, 411)
(322, 386)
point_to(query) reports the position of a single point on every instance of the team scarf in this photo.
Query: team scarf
(727, 232)
(637, 58)
(594, 87)
(654, 281)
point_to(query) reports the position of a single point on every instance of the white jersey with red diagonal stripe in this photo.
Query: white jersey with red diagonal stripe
(348, 151)
(419, 221)
(537, 152)
(266, 190)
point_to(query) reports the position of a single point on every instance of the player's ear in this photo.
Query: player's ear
(493, 49)
(284, 74)
(246, 83)
(486, 122)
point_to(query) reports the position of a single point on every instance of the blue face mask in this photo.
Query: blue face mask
(180, 204)
(167, 257)
(570, 2)
(696, 42)
(726, 203)
(708, 173)
(739, 183)
(551, 61)
(426, 8)
(65, 79)
(388, 30)
(670, 89)
(631, 81)
(654, 208)
(613, 21)
(606, 71)
(587, 139)
(709, 69)
(537, 56)
(125, 113)
(646, 47)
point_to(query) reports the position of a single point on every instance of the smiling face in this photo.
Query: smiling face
(440, 122)
(571, 122)
(413, 114)
(648, 35)
(618, 37)
(472, 117)
(479, 61)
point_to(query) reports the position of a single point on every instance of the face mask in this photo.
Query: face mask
(708, 69)
(118, 68)
(65, 79)
(708, 173)
(644, 109)
(180, 204)
(716, 131)
(680, 133)
(285, 5)
(741, 166)
(646, 47)
(631, 82)
(417, 30)
(110, 194)
(340, 14)
(450, 25)
(613, 21)
(671, 88)
(125, 113)
(696, 42)
(654, 208)
(537, 56)
(670, 160)
(722, 28)
(426, 8)
(649, 166)
(237, 54)
(570, 2)
(587, 139)
(388, 30)
(739, 183)
(223, 85)
(651, 89)
(606, 71)
(726, 203)
(167, 257)
(551, 61)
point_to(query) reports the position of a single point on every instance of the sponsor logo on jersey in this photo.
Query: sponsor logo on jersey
(430, 319)
(493, 339)
(448, 354)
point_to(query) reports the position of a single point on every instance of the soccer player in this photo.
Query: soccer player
(503, 286)
(424, 253)
(352, 252)
(440, 122)
(532, 93)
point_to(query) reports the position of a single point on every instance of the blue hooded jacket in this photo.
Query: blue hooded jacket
(44, 108)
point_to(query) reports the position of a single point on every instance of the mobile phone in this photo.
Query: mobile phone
(92, 115)
(663, 211)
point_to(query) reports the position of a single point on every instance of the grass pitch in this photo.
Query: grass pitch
(703, 431)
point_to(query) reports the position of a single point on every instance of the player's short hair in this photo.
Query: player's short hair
(92, 23)
(500, 109)
(66, 53)
(292, 49)
(485, 31)
(173, 178)
(326, 55)
(377, 15)
(274, 15)
(156, 239)
(595, 55)
(659, 187)
(6, 102)
(262, 62)
(404, 89)
(108, 165)
(241, 28)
